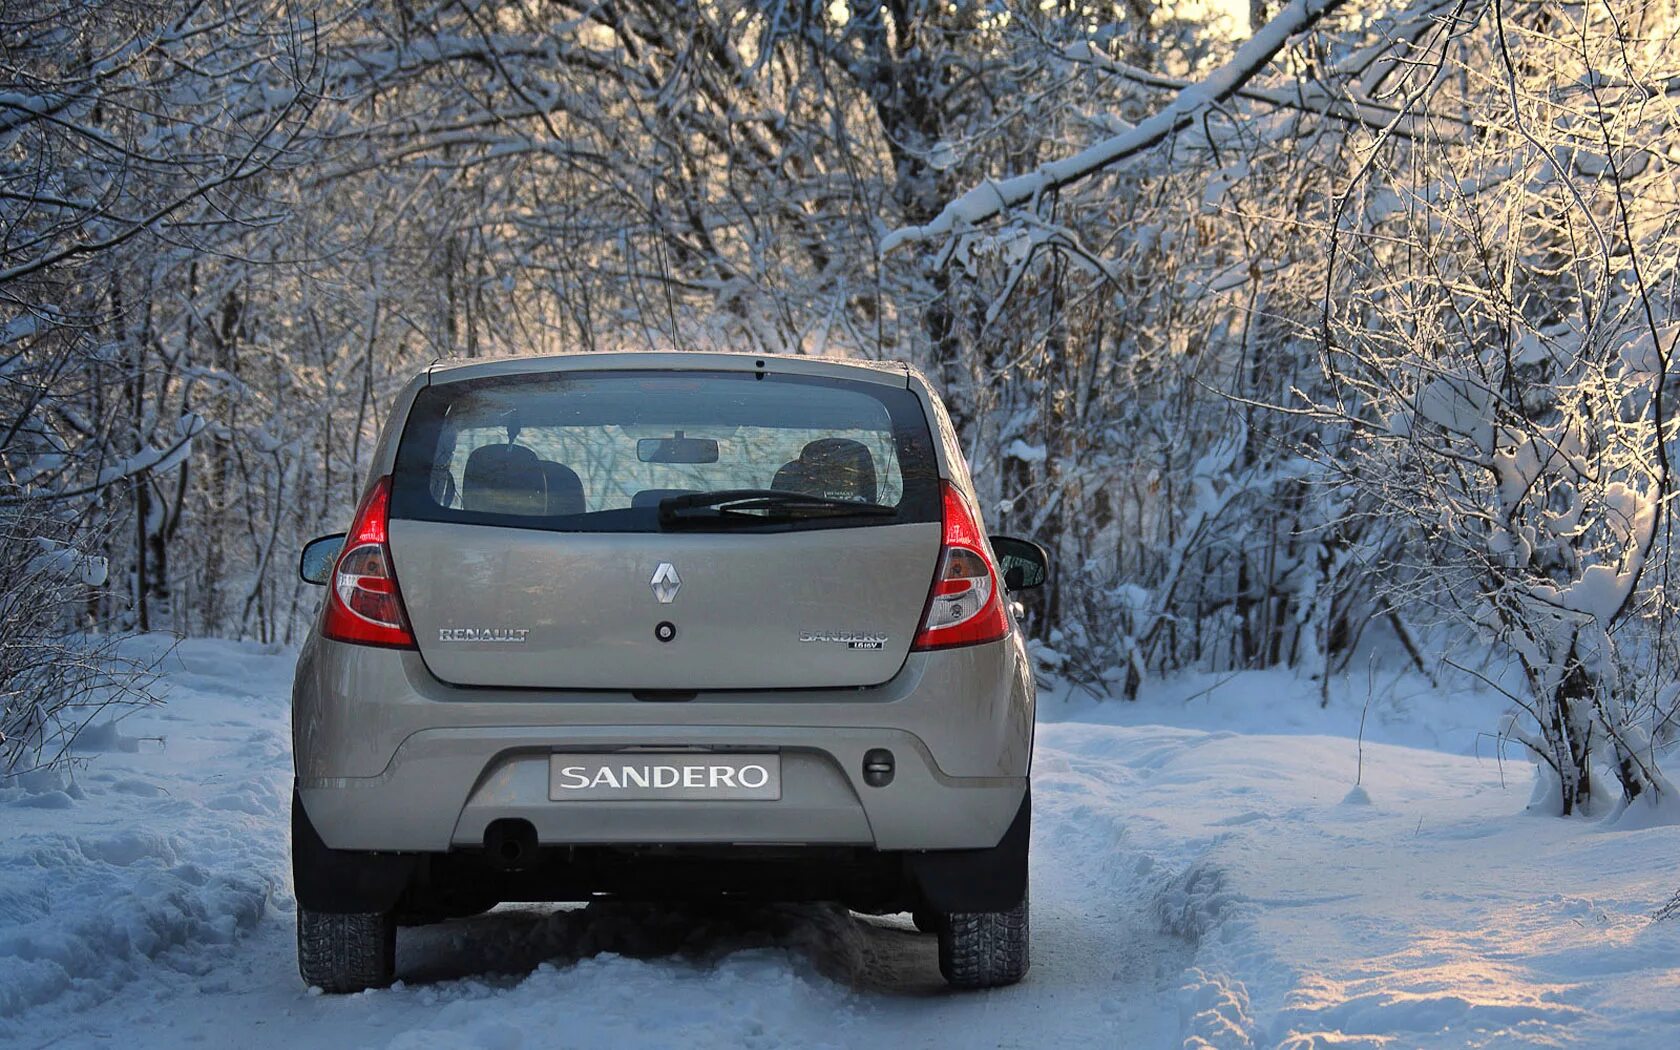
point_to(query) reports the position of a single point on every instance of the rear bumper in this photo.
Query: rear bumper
(390, 759)
(445, 786)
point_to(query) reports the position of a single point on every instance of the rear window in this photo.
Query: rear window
(595, 451)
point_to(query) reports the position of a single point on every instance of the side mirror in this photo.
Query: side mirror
(1024, 563)
(315, 564)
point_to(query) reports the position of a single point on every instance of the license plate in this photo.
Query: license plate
(644, 776)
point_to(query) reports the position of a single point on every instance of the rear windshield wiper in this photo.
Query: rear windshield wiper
(749, 506)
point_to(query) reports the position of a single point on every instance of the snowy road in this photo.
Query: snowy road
(181, 933)
(1194, 887)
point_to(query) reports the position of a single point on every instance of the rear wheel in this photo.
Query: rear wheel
(346, 953)
(986, 949)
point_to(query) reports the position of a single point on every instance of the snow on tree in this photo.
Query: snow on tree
(1499, 344)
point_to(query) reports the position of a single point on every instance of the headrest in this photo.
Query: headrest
(836, 468)
(504, 479)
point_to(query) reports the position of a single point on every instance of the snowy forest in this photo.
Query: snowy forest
(1283, 328)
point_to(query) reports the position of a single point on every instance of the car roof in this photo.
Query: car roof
(894, 373)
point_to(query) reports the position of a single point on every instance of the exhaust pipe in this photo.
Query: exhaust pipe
(510, 844)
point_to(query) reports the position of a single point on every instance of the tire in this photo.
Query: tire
(346, 953)
(986, 949)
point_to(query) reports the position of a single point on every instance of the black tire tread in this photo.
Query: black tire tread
(985, 949)
(346, 953)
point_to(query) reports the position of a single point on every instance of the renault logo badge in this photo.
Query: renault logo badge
(666, 583)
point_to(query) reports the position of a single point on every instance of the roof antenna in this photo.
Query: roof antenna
(665, 282)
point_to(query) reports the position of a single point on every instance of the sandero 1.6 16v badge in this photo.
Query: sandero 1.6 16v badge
(868, 641)
(512, 693)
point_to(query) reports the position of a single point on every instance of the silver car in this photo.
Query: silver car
(664, 625)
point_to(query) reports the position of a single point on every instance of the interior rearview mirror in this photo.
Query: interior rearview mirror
(315, 564)
(677, 449)
(1024, 563)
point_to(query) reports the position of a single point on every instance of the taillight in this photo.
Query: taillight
(364, 606)
(965, 606)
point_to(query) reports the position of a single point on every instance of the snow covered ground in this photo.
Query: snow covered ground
(1205, 874)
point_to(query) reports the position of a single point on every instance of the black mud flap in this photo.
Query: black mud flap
(340, 881)
(976, 880)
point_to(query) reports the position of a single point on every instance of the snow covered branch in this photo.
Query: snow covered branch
(993, 198)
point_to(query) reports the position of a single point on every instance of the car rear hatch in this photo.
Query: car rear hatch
(680, 530)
